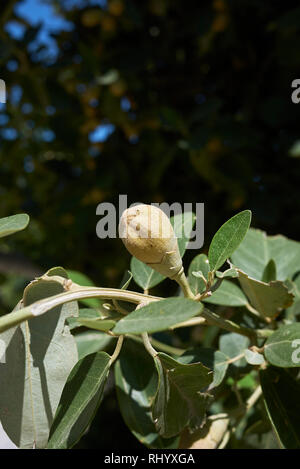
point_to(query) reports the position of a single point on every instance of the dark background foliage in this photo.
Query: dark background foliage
(162, 100)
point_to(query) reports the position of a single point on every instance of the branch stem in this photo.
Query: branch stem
(148, 345)
(117, 350)
(181, 279)
(75, 293)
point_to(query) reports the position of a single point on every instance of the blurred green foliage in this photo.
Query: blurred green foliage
(194, 103)
(199, 97)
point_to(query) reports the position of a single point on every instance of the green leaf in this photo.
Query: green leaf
(257, 249)
(254, 358)
(231, 273)
(269, 272)
(211, 358)
(228, 238)
(228, 294)
(158, 316)
(281, 394)
(144, 275)
(40, 355)
(13, 224)
(199, 263)
(283, 347)
(85, 313)
(97, 323)
(135, 392)
(233, 345)
(60, 271)
(91, 341)
(179, 401)
(102, 318)
(79, 401)
(127, 277)
(84, 280)
(267, 298)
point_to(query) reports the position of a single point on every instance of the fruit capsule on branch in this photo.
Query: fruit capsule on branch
(148, 235)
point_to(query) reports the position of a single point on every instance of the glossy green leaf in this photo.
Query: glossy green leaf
(79, 401)
(211, 358)
(199, 263)
(257, 249)
(179, 401)
(281, 395)
(136, 391)
(228, 238)
(91, 341)
(267, 298)
(13, 224)
(158, 315)
(40, 355)
(228, 294)
(233, 345)
(283, 347)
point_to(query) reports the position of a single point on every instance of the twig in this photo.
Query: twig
(117, 350)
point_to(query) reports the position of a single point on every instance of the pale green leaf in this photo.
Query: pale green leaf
(91, 341)
(267, 298)
(12, 224)
(39, 356)
(254, 358)
(143, 275)
(199, 263)
(229, 273)
(233, 345)
(158, 315)
(283, 346)
(96, 323)
(228, 294)
(257, 249)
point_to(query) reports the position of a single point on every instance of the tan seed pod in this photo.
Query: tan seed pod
(148, 235)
